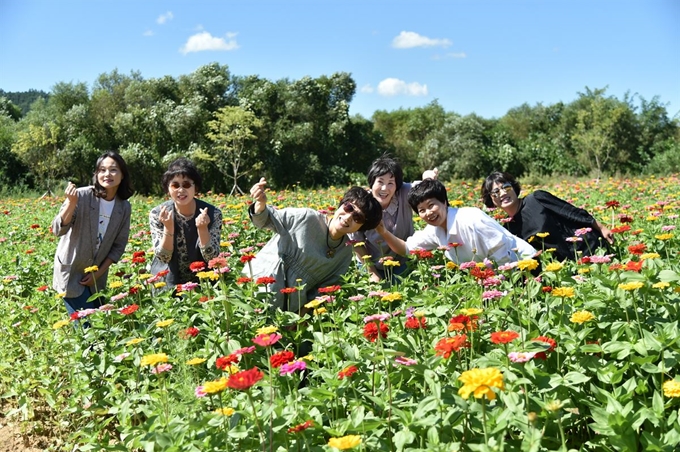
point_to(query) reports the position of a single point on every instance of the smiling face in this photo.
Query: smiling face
(383, 189)
(503, 196)
(346, 220)
(109, 175)
(433, 212)
(182, 191)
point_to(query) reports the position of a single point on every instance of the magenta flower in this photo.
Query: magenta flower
(492, 294)
(290, 368)
(159, 369)
(582, 231)
(376, 318)
(199, 392)
(265, 340)
(244, 350)
(404, 361)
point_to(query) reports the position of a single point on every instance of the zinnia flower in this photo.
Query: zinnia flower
(224, 362)
(448, 345)
(371, 331)
(566, 292)
(633, 266)
(527, 264)
(245, 379)
(637, 248)
(289, 368)
(195, 361)
(164, 323)
(582, 317)
(300, 427)
(345, 442)
(415, 323)
(159, 369)
(247, 258)
(480, 382)
(503, 337)
(554, 267)
(264, 280)
(329, 289)
(671, 388)
(228, 411)
(215, 387)
(521, 357)
(281, 358)
(197, 266)
(347, 372)
(153, 359)
(265, 340)
(631, 285)
(92, 269)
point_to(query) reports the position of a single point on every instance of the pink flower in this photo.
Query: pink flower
(187, 287)
(265, 340)
(244, 350)
(121, 357)
(120, 296)
(574, 239)
(404, 361)
(601, 259)
(290, 368)
(199, 392)
(492, 294)
(376, 318)
(582, 231)
(521, 357)
(159, 369)
(356, 298)
(506, 267)
(466, 265)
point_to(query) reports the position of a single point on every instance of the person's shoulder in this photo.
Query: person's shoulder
(469, 211)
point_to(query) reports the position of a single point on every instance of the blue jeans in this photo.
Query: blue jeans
(80, 302)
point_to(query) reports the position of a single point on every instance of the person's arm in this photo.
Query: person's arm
(90, 278)
(214, 231)
(67, 212)
(395, 243)
(431, 174)
(568, 211)
(259, 196)
(604, 231)
(162, 234)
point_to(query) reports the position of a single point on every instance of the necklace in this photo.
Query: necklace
(331, 249)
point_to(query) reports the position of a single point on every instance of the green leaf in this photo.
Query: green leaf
(403, 438)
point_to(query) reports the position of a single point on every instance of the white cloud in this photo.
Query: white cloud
(163, 18)
(205, 41)
(366, 89)
(394, 87)
(148, 33)
(410, 39)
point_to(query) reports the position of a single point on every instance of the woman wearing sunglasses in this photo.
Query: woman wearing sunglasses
(386, 182)
(310, 249)
(542, 212)
(184, 229)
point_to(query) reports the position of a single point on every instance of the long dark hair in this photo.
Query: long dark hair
(125, 190)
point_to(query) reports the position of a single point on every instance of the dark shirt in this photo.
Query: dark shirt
(543, 212)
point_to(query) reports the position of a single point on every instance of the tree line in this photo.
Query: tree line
(300, 133)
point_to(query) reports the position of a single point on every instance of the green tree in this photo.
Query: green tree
(231, 132)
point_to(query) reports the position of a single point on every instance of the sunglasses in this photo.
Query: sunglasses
(185, 185)
(506, 187)
(357, 216)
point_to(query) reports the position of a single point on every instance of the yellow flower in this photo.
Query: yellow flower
(527, 264)
(419, 314)
(396, 296)
(531, 239)
(543, 234)
(480, 382)
(391, 263)
(554, 267)
(115, 284)
(456, 203)
(554, 405)
(164, 323)
(208, 275)
(366, 257)
(225, 244)
(359, 244)
(308, 357)
(583, 270)
(153, 359)
(660, 285)
(582, 317)
(312, 304)
(480, 265)
(551, 250)
(159, 285)
(225, 411)
(60, 324)
(267, 330)
(92, 269)
(134, 341)
(451, 265)
(345, 442)
(60, 295)
(650, 256)
(145, 276)
(671, 388)
(566, 292)
(320, 311)
(631, 285)
(652, 218)
(195, 361)
(471, 311)
(666, 236)
(216, 386)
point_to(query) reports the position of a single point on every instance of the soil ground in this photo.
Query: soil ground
(14, 439)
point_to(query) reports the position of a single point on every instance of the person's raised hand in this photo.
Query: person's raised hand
(71, 193)
(203, 220)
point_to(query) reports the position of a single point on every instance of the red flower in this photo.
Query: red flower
(620, 229)
(197, 266)
(192, 331)
(414, 323)
(223, 362)
(243, 280)
(614, 267)
(462, 322)
(481, 273)
(138, 254)
(74, 316)
(613, 204)
(329, 289)
(546, 289)
(371, 331)
(245, 380)
(35, 226)
(247, 258)
(138, 260)
(204, 298)
(422, 254)
(42, 288)
(263, 280)
(288, 290)
(503, 337)
(347, 372)
(637, 249)
(300, 427)
(218, 262)
(127, 310)
(548, 341)
(281, 358)
(626, 219)
(455, 245)
(448, 345)
(634, 266)
(133, 290)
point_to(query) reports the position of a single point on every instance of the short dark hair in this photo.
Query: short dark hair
(500, 178)
(384, 165)
(427, 189)
(125, 190)
(182, 167)
(366, 202)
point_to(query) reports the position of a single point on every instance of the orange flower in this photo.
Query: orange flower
(503, 337)
(244, 380)
(347, 372)
(448, 345)
(634, 266)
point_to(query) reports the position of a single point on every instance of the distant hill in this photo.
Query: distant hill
(24, 99)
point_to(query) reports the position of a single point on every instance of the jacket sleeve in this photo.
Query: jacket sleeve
(121, 240)
(562, 209)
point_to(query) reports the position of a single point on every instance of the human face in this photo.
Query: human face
(504, 196)
(383, 189)
(433, 212)
(182, 190)
(109, 175)
(347, 219)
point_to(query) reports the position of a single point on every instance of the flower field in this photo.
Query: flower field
(583, 356)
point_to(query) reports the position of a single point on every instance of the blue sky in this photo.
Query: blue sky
(483, 56)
